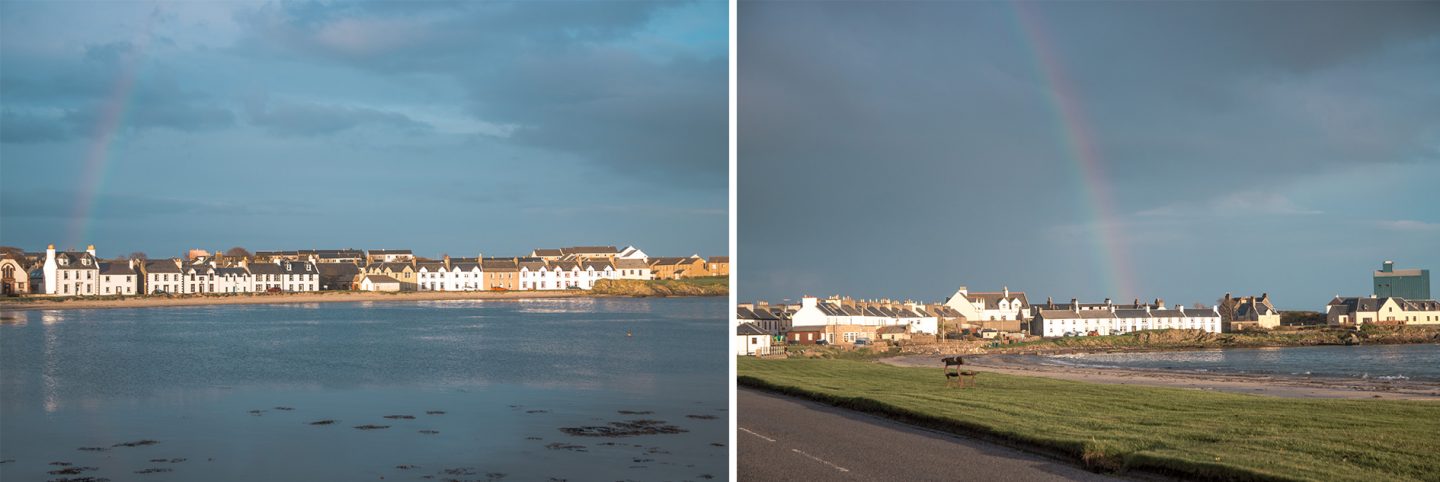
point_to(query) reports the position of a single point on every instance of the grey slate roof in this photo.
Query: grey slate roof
(749, 329)
(116, 268)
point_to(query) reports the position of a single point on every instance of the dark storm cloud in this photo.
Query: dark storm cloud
(903, 149)
(562, 72)
(302, 124)
(308, 118)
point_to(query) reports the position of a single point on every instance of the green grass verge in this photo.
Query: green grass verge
(1190, 433)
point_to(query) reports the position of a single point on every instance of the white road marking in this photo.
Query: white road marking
(818, 459)
(746, 430)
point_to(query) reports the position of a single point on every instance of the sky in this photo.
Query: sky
(441, 127)
(1175, 150)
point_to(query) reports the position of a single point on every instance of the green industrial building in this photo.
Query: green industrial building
(1411, 284)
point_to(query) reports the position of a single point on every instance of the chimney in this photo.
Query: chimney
(1107, 301)
(1389, 267)
(807, 302)
(1137, 303)
(1264, 296)
(1074, 305)
(90, 249)
(1007, 291)
(1159, 303)
(1227, 296)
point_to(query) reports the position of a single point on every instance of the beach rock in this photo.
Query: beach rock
(137, 443)
(72, 470)
(434, 412)
(429, 432)
(322, 422)
(92, 449)
(635, 412)
(284, 408)
(400, 417)
(371, 427)
(154, 470)
(702, 417)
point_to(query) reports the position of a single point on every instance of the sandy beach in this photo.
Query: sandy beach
(1276, 386)
(251, 299)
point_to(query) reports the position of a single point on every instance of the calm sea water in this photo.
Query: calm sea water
(1413, 362)
(205, 382)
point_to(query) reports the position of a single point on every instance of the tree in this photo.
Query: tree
(237, 252)
(139, 256)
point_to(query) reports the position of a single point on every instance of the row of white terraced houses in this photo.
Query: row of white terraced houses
(82, 273)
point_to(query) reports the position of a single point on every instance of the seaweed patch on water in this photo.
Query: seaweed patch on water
(533, 438)
(624, 429)
(72, 470)
(371, 427)
(537, 411)
(137, 443)
(565, 446)
(154, 470)
(256, 413)
(80, 479)
(407, 466)
(92, 449)
(400, 417)
(323, 422)
(284, 408)
(434, 412)
(717, 444)
(429, 432)
(59, 464)
(6, 461)
(702, 417)
(635, 412)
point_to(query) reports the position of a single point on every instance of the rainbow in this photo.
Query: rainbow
(1079, 146)
(102, 137)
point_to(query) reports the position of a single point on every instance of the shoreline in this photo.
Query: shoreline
(288, 298)
(1269, 385)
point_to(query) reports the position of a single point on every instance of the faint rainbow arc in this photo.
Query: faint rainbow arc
(1079, 146)
(97, 154)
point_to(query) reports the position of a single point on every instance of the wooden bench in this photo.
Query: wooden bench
(958, 377)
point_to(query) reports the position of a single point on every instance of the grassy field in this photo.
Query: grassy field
(708, 286)
(1190, 433)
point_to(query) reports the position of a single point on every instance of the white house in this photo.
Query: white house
(199, 278)
(118, 278)
(532, 274)
(1062, 320)
(432, 276)
(466, 276)
(630, 268)
(234, 280)
(267, 276)
(990, 305)
(834, 311)
(163, 276)
(631, 252)
(299, 276)
(71, 273)
(596, 270)
(376, 282)
(751, 341)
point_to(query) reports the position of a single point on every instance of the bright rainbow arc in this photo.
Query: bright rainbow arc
(1114, 266)
(97, 155)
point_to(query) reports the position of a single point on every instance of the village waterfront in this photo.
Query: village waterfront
(538, 389)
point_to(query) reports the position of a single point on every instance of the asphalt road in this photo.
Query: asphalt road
(788, 439)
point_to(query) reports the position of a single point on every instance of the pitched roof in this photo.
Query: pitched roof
(628, 263)
(161, 266)
(589, 250)
(266, 268)
(116, 267)
(719, 259)
(749, 329)
(375, 252)
(547, 252)
(991, 300)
